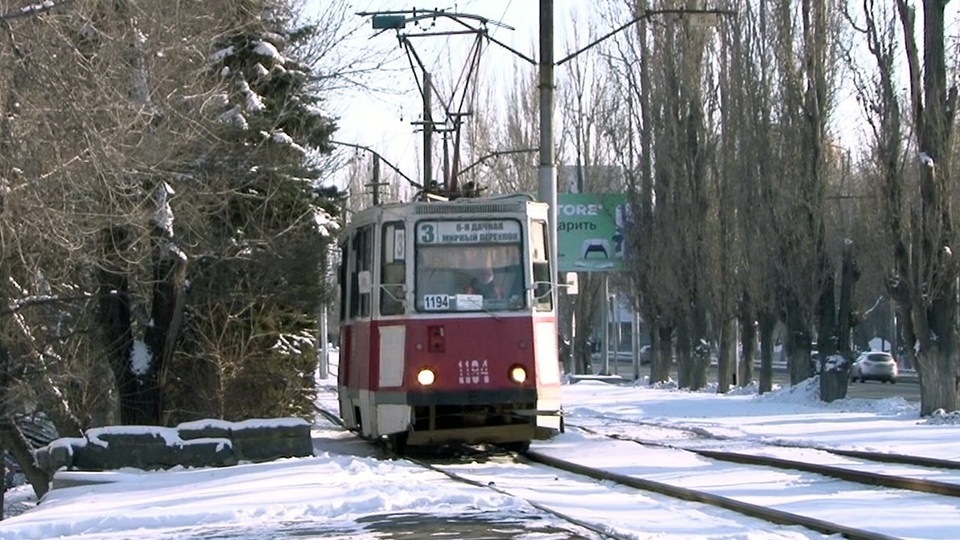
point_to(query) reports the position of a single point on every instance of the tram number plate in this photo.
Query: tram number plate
(474, 371)
(436, 302)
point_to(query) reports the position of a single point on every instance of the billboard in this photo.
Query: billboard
(590, 231)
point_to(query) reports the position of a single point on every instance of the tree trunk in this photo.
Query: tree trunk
(726, 363)
(698, 340)
(849, 274)
(767, 323)
(939, 383)
(797, 343)
(114, 314)
(685, 365)
(930, 300)
(662, 353)
(937, 358)
(13, 440)
(161, 337)
(835, 381)
(748, 348)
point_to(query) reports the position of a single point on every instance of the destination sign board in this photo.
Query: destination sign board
(494, 231)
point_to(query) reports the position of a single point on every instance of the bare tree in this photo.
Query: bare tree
(923, 280)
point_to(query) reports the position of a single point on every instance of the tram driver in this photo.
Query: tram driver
(484, 285)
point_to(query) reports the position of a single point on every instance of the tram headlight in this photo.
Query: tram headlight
(518, 374)
(426, 377)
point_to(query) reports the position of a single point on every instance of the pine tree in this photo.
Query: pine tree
(254, 295)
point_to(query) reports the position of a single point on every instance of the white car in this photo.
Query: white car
(874, 365)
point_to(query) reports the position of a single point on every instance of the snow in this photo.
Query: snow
(141, 358)
(341, 494)
(235, 117)
(221, 54)
(280, 137)
(267, 50)
(34, 8)
(163, 217)
(252, 101)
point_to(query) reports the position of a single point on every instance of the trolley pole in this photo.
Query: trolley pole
(547, 173)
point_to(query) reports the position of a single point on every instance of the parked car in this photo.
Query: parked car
(646, 355)
(876, 366)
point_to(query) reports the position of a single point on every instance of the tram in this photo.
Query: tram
(448, 328)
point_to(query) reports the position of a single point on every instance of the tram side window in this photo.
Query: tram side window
(393, 271)
(362, 262)
(543, 293)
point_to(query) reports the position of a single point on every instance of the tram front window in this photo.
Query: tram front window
(468, 276)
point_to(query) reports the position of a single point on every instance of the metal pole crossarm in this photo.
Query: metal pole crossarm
(511, 49)
(644, 15)
(35, 9)
(496, 154)
(444, 33)
(417, 15)
(374, 152)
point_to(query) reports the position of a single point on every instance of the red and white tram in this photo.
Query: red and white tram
(448, 328)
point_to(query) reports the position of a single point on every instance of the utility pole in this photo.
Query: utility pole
(323, 369)
(376, 180)
(547, 173)
(427, 131)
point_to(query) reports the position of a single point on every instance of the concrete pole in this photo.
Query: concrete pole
(324, 368)
(427, 131)
(635, 344)
(547, 173)
(617, 337)
(606, 323)
(376, 180)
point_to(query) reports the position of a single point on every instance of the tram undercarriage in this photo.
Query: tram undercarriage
(470, 424)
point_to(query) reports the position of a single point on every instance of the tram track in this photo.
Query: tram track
(756, 511)
(922, 465)
(601, 532)
(460, 471)
(769, 515)
(703, 433)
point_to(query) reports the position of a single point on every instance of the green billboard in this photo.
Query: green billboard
(590, 231)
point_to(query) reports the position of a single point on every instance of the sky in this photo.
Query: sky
(343, 491)
(381, 118)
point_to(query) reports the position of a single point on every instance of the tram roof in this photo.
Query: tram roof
(466, 205)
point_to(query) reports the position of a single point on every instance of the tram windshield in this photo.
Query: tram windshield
(469, 266)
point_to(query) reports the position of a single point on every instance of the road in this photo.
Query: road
(907, 387)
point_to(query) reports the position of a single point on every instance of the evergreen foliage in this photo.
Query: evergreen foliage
(249, 349)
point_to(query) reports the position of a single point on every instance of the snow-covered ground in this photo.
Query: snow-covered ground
(335, 495)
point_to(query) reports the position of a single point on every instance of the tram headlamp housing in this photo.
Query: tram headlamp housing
(518, 374)
(426, 377)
